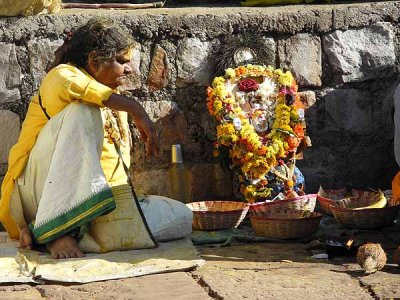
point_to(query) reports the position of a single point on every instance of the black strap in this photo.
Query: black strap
(125, 167)
(134, 194)
(41, 105)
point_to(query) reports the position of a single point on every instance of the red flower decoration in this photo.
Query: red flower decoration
(248, 85)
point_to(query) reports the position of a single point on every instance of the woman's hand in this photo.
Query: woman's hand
(148, 135)
(142, 121)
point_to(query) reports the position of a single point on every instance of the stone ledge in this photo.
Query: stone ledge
(213, 21)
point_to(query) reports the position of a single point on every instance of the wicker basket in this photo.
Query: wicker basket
(217, 215)
(306, 202)
(368, 218)
(326, 198)
(285, 224)
(325, 204)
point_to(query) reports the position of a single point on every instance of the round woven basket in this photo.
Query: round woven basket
(306, 202)
(217, 215)
(326, 198)
(368, 218)
(285, 224)
(325, 204)
(332, 197)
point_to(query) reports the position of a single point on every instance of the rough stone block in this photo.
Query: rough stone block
(360, 54)
(159, 109)
(363, 16)
(173, 129)
(159, 73)
(207, 181)
(10, 75)
(170, 48)
(10, 124)
(210, 182)
(301, 54)
(151, 182)
(41, 55)
(349, 110)
(194, 64)
(269, 51)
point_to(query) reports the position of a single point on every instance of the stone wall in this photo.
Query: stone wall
(344, 57)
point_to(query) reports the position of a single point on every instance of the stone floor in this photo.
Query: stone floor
(248, 271)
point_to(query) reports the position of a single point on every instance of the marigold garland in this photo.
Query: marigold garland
(254, 154)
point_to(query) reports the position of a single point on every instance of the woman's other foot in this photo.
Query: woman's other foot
(65, 247)
(25, 238)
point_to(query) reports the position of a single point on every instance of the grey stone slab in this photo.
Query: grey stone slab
(10, 75)
(349, 110)
(194, 62)
(301, 54)
(361, 54)
(359, 14)
(41, 55)
(275, 271)
(176, 285)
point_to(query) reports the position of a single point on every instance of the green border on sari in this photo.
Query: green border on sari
(93, 207)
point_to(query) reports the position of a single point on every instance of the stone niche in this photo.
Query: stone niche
(344, 58)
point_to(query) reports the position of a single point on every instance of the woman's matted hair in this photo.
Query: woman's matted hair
(99, 34)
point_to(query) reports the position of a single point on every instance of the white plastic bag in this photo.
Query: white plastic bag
(167, 219)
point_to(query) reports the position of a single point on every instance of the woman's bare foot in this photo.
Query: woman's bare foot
(65, 247)
(25, 238)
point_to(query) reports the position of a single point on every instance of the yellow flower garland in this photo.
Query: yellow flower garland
(255, 155)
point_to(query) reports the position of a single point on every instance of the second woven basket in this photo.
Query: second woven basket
(217, 215)
(285, 224)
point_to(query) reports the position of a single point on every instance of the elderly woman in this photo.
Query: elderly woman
(74, 142)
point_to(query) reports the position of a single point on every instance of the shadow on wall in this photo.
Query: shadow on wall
(352, 134)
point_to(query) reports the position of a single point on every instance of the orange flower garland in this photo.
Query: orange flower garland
(254, 154)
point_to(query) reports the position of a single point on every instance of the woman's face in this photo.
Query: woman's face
(112, 73)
